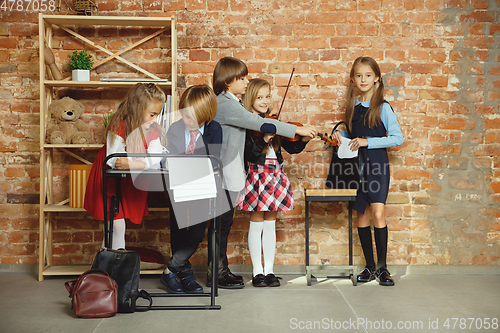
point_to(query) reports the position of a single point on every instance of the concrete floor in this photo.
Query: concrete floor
(418, 303)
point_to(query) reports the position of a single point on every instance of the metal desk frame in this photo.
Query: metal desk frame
(115, 201)
(329, 195)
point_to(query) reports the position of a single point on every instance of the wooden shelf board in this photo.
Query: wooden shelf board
(67, 209)
(66, 270)
(88, 146)
(96, 84)
(158, 209)
(61, 209)
(79, 269)
(108, 20)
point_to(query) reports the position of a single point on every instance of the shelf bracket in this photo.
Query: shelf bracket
(112, 55)
(81, 159)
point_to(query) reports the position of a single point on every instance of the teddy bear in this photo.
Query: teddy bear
(64, 124)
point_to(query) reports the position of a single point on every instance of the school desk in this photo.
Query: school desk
(162, 175)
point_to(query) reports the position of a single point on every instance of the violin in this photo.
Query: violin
(276, 117)
(328, 139)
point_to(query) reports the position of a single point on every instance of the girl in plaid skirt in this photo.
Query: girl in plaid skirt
(267, 189)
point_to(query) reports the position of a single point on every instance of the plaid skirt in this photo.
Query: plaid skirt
(267, 188)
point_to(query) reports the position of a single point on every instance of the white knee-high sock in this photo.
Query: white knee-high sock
(255, 246)
(269, 245)
(118, 234)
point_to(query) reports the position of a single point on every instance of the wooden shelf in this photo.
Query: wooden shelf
(61, 209)
(69, 146)
(97, 84)
(68, 209)
(150, 27)
(109, 20)
(64, 270)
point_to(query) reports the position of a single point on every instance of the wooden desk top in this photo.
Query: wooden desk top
(328, 192)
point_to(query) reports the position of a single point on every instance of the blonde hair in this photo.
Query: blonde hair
(373, 113)
(203, 101)
(130, 113)
(249, 98)
(226, 71)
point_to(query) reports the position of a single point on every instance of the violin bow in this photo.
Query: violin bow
(288, 86)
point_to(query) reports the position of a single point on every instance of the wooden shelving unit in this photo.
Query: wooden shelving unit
(47, 24)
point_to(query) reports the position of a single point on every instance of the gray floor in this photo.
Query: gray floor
(418, 303)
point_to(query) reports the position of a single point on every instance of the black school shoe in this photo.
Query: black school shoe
(190, 285)
(236, 277)
(384, 277)
(172, 282)
(259, 280)
(367, 274)
(272, 280)
(227, 282)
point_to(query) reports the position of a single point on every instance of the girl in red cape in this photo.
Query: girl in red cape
(132, 129)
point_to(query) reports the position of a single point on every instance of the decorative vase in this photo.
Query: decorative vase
(80, 75)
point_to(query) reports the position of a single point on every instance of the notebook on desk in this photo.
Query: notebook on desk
(191, 180)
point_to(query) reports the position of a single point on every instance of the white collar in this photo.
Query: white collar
(366, 104)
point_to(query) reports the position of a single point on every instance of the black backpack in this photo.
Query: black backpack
(124, 267)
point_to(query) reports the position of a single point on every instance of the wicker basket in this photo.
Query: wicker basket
(86, 7)
(81, 5)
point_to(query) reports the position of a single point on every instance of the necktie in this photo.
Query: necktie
(192, 144)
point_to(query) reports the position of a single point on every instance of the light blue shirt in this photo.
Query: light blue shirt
(389, 120)
(187, 135)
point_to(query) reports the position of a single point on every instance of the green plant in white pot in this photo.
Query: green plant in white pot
(81, 63)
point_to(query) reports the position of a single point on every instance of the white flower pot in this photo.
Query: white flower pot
(80, 75)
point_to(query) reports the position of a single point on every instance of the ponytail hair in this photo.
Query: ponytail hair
(372, 117)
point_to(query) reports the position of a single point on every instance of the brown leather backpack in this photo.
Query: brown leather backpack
(93, 295)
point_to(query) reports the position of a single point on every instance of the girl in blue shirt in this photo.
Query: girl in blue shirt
(374, 127)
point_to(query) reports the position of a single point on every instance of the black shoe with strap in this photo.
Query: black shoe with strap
(272, 280)
(259, 280)
(172, 282)
(190, 285)
(367, 274)
(384, 277)
(226, 282)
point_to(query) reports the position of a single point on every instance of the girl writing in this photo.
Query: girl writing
(229, 80)
(374, 127)
(267, 188)
(132, 129)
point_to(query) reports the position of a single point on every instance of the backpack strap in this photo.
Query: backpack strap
(346, 127)
(145, 295)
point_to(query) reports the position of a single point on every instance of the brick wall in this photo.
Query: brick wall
(441, 65)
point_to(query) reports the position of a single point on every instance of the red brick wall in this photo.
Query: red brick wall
(441, 65)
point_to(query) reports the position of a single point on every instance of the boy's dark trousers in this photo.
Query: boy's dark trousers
(184, 241)
(226, 221)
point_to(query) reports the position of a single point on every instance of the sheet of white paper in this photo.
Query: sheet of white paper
(345, 151)
(191, 178)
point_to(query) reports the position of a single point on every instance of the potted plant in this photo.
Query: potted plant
(81, 63)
